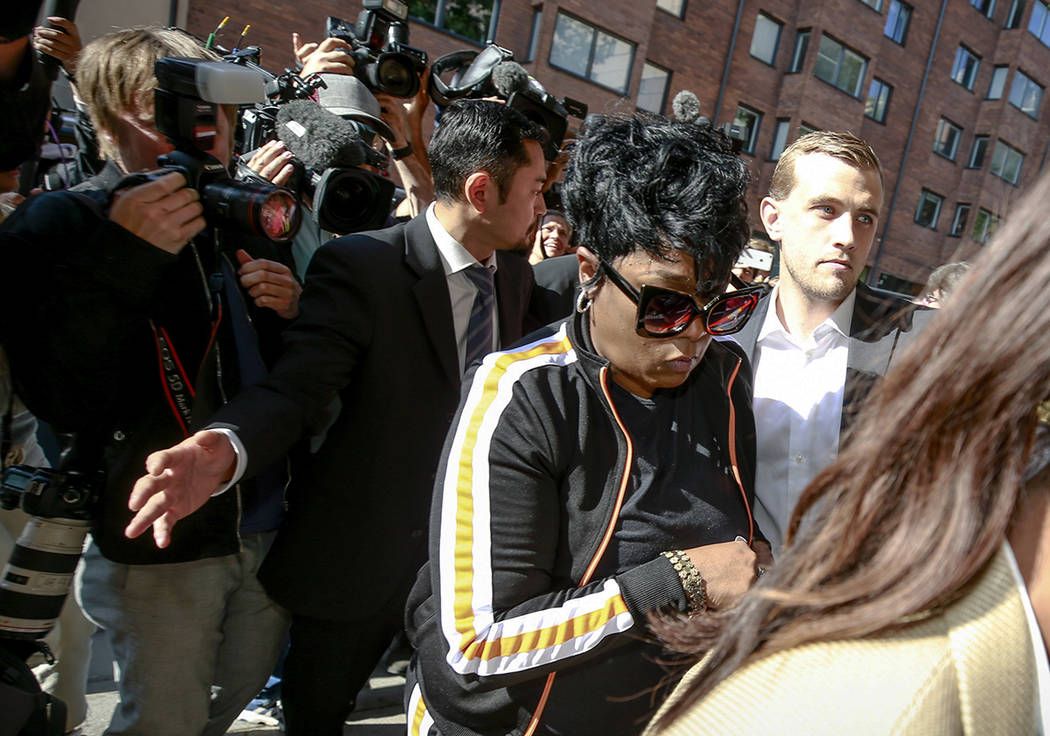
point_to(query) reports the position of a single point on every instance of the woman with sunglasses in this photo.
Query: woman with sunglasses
(603, 470)
(913, 592)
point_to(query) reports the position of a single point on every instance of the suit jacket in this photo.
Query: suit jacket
(882, 325)
(969, 669)
(375, 330)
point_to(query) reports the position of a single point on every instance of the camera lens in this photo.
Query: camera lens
(350, 200)
(261, 209)
(394, 73)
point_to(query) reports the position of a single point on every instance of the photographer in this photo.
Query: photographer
(130, 283)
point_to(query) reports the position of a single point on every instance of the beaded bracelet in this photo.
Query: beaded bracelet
(692, 582)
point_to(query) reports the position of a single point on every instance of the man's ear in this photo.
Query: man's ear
(588, 263)
(481, 191)
(770, 212)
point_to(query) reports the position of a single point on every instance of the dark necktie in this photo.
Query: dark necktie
(481, 326)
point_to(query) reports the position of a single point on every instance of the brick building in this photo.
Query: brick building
(948, 92)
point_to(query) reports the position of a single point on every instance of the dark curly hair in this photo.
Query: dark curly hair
(645, 182)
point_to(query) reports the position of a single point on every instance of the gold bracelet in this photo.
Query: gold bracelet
(693, 583)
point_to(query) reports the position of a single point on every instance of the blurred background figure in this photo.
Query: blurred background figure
(942, 283)
(913, 594)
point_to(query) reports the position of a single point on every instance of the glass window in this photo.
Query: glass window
(1013, 18)
(840, 66)
(1026, 94)
(748, 120)
(652, 92)
(674, 7)
(780, 137)
(962, 211)
(1039, 23)
(984, 225)
(946, 142)
(592, 53)
(798, 58)
(468, 18)
(534, 33)
(1006, 162)
(897, 21)
(877, 4)
(928, 209)
(980, 145)
(805, 128)
(878, 100)
(767, 37)
(986, 7)
(998, 83)
(964, 70)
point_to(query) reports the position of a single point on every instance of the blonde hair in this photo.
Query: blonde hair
(115, 75)
(843, 146)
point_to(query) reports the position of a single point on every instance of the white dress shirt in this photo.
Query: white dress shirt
(461, 290)
(798, 409)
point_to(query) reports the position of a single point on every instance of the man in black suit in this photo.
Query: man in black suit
(820, 340)
(389, 321)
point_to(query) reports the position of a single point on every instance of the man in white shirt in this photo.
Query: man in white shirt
(818, 352)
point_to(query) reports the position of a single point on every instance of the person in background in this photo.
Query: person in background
(913, 593)
(942, 283)
(553, 236)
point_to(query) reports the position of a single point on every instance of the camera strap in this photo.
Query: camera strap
(178, 388)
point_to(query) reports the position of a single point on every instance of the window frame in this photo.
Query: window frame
(590, 56)
(776, 41)
(667, 87)
(800, 49)
(991, 224)
(963, 48)
(1018, 76)
(924, 196)
(1014, 15)
(681, 9)
(843, 50)
(1007, 149)
(988, 11)
(958, 226)
(752, 142)
(875, 5)
(978, 149)
(942, 125)
(905, 12)
(439, 15)
(1044, 32)
(888, 89)
(782, 124)
(1000, 71)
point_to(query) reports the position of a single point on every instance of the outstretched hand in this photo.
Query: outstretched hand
(180, 480)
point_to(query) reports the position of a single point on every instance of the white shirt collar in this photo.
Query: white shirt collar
(839, 320)
(454, 257)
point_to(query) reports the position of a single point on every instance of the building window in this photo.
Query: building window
(876, 4)
(964, 70)
(1013, 18)
(878, 100)
(592, 53)
(985, 7)
(748, 120)
(652, 92)
(984, 225)
(780, 139)
(674, 7)
(998, 83)
(471, 20)
(806, 129)
(980, 145)
(798, 58)
(1039, 23)
(1026, 94)
(946, 142)
(962, 211)
(840, 66)
(1006, 162)
(534, 33)
(929, 209)
(766, 39)
(897, 21)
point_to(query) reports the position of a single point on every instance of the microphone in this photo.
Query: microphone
(686, 107)
(509, 77)
(320, 139)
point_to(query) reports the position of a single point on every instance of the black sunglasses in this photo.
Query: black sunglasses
(666, 313)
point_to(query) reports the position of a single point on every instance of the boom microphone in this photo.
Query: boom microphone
(686, 107)
(509, 77)
(320, 139)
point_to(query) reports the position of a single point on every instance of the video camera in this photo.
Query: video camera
(383, 60)
(186, 110)
(493, 73)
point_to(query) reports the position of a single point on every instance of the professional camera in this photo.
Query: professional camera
(186, 109)
(492, 72)
(383, 60)
(38, 575)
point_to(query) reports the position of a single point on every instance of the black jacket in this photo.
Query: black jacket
(527, 498)
(82, 293)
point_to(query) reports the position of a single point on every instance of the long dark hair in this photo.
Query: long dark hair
(922, 495)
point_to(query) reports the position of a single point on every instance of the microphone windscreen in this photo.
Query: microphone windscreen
(686, 106)
(320, 139)
(509, 77)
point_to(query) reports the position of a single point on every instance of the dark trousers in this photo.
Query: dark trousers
(328, 663)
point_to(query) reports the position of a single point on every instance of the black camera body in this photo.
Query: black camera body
(383, 60)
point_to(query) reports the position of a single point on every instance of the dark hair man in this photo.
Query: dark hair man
(389, 321)
(820, 340)
(121, 282)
